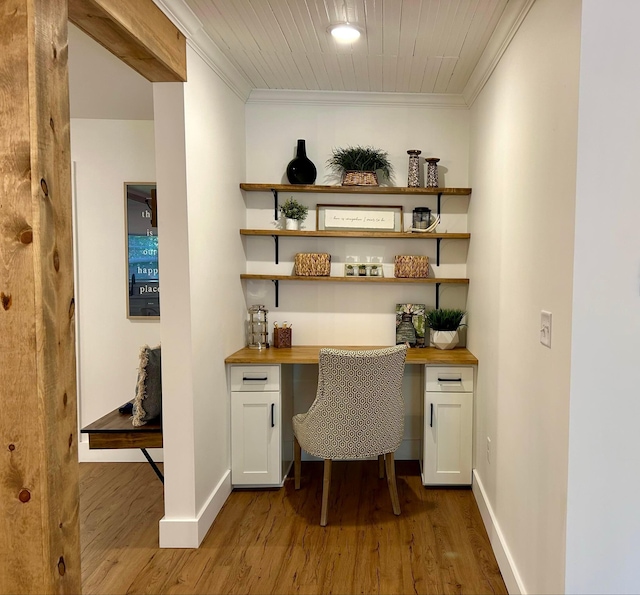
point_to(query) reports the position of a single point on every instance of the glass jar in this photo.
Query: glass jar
(257, 329)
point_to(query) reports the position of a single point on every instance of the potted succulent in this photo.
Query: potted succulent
(358, 165)
(293, 212)
(444, 324)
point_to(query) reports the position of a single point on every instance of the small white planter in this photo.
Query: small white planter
(292, 224)
(444, 339)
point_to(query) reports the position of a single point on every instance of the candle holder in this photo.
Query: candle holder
(432, 172)
(414, 168)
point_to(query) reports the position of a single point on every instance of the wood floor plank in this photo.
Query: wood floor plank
(270, 541)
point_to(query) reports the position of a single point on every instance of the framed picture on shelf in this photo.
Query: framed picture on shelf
(358, 218)
(410, 324)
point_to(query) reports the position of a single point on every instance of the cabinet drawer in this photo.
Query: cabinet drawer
(457, 379)
(255, 378)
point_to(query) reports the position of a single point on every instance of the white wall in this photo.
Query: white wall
(341, 313)
(200, 148)
(522, 170)
(106, 154)
(603, 528)
(337, 313)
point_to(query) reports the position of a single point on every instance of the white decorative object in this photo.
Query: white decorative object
(292, 224)
(444, 339)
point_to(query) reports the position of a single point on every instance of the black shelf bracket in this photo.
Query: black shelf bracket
(437, 296)
(275, 204)
(439, 198)
(276, 285)
(276, 240)
(438, 251)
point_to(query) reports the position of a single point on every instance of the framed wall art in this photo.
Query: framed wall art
(358, 218)
(143, 283)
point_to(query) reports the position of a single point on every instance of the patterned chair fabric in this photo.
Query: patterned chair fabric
(358, 411)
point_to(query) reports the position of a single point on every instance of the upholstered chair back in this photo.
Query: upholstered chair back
(358, 411)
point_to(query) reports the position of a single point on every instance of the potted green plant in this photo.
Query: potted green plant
(358, 165)
(293, 212)
(444, 324)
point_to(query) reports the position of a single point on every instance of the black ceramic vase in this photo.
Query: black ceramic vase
(301, 169)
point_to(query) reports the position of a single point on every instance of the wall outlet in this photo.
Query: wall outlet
(488, 449)
(545, 328)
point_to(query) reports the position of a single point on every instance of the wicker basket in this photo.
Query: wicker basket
(412, 266)
(312, 264)
(360, 178)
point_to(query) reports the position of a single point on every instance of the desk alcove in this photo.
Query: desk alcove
(267, 386)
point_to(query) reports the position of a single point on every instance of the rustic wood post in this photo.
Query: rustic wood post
(39, 533)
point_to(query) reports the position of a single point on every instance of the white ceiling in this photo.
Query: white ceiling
(438, 49)
(407, 46)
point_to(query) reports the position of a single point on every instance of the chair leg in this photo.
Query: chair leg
(326, 486)
(381, 466)
(297, 455)
(391, 480)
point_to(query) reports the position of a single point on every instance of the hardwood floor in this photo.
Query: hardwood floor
(270, 541)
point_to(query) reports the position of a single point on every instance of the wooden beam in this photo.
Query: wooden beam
(39, 531)
(138, 32)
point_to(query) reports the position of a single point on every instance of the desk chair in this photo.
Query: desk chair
(358, 413)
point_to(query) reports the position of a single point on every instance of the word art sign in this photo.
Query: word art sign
(359, 217)
(143, 285)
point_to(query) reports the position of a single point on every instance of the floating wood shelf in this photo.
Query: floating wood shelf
(277, 233)
(429, 280)
(355, 279)
(352, 189)
(355, 234)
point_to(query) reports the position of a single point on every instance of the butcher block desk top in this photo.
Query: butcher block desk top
(309, 354)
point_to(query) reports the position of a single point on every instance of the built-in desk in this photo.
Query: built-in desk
(308, 354)
(261, 392)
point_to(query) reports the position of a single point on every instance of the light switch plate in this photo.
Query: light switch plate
(545, 328)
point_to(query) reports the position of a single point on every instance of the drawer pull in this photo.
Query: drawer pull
(431, 421)
(261, 379)
(273, 422)
(458, 380)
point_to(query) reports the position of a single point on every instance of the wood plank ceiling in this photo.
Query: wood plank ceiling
(407, 46)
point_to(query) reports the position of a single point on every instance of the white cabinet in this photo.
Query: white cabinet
(261, 442)
(448, 426)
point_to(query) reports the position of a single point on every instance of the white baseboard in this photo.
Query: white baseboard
(115, 455)
(498, 543)
(189, 533)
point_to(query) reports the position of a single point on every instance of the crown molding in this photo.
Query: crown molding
(357, 98)
(191, 26)
(508, 25)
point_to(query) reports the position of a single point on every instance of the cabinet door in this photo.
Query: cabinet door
(255, 438)
(448, 423)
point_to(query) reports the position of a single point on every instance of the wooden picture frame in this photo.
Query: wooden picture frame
(141, 250)
(333, 217)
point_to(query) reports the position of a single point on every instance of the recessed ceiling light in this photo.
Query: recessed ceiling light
(345, 32)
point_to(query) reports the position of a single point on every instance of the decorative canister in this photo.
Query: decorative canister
(432, 172)
(414, 168)
(405, 331)
(257, 329)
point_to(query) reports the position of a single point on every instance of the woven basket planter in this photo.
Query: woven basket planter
(312, 264)
(360, 178)
(411, 266)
